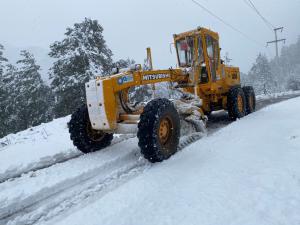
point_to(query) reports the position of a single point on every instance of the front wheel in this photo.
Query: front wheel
(83, 136)
(159, 130)
(236, 103)
(250, 99)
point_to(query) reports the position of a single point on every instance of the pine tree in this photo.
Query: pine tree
(123, 63)
(31, 99)
(293, 82)
(261, 76)
(3, 93)
(285, 68)
(7, 107)
(3, 60)
(80, 56)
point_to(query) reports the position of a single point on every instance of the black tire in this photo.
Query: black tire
(250, 99)
(234, 111)
(83, 136)
(155, 146)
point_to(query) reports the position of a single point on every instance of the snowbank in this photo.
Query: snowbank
(35, 148)
(276, 95)
(246, 173)
(39, 147)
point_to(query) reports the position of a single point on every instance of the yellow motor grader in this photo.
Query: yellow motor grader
(204, 82)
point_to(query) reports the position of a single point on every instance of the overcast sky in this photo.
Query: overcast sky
(131, 26)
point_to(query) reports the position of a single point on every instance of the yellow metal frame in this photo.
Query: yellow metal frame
(213, 93)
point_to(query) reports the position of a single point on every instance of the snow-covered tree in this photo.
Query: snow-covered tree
(279, 74)
(293, 82)
(25, 100)
(80, 56)
(8, 93)
(3, 93)
(33, 98)
(285, 68)
(261, 76)
(123, 63)
(3, 60)
(245, 79)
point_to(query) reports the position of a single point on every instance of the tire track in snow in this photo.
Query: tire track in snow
(216, 122)
(113, 173)
(36, 186)
(48, 161)
(54, 206)
(51, 201)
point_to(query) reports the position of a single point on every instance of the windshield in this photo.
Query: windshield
(185, 51)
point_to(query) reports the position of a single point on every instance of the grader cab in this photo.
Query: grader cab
(204, 82)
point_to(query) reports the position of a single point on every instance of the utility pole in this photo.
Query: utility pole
(276, 39)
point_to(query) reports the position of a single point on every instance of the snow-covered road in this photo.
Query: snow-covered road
(44, 178)
(47, 144)
(39, 147)
(246, 173)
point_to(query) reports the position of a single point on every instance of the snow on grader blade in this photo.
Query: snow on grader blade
(204, 82)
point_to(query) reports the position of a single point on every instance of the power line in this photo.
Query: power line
(269, 25)
(252, 6)
(226, 23)
(264, 19)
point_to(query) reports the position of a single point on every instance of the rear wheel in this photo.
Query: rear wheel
(236, 103)
(84, 137)
(250, 99)
(159, 130)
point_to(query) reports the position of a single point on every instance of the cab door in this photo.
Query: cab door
(203, 75)
(202, 71)
(212, 59)
(212, 50)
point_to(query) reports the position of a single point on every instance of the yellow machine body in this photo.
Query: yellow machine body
(200, 72)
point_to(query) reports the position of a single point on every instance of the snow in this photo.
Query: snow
(246, 173)
(34, 147)
(37, 185)
(276, 95)
(39, 147)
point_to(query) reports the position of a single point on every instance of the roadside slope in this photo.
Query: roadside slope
(246, 173)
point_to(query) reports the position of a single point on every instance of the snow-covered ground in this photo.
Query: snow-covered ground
(38, 147)
(247, 173)
(276, 95)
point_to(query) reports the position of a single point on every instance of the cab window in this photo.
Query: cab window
(209, 44)
(203, 76)
(185, 51)
(200, 51)
(213, 55)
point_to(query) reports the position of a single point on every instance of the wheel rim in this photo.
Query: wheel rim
(94, 135)
(240, 103)
(165, 130)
